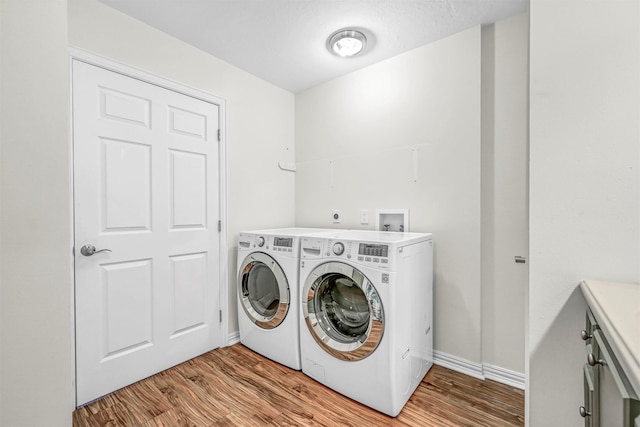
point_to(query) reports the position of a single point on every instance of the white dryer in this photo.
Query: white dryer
(268, 292)
(366, 314)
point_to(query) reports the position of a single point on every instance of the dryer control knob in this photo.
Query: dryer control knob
(338, 248)
(260, 241)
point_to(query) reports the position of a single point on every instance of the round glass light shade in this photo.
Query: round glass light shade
(346, 43)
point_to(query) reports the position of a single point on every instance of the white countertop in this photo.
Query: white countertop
(616, 307)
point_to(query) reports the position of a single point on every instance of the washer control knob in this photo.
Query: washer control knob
(338, 248)
(260, 241)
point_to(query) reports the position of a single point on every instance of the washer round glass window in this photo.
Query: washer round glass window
(263, 290)
(343, 311)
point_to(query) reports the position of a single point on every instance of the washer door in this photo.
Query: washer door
(263, 290)
(343, 311)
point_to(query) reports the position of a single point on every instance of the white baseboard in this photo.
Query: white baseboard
(479, 370)
(458, 364)
(233, 338)
(504, 376)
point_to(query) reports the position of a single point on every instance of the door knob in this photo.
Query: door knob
(88, 250)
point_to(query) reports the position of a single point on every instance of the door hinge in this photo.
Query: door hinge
(219, 225)
(218, 135)
(220, 315)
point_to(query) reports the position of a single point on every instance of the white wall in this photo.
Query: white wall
(504, 190)
(584, 175)
(35, 216)
(36, 363)
(1, 177)
(584, 183)
(260, 116)
(368, 123)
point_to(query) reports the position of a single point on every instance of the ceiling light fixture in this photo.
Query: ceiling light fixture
(346, 43)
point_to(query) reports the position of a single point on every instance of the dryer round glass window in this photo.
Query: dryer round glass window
(263, 290)
(343, 311)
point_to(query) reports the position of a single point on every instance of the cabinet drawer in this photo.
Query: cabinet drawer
(592, 324)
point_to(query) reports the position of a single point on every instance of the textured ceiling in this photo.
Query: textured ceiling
(283, 41)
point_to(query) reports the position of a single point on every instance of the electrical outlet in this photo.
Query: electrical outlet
(364, 216)
(336, 216)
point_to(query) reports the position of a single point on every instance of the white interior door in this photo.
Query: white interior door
(146, 187)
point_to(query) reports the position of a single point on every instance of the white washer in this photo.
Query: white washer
(269, 294)
(366, 314)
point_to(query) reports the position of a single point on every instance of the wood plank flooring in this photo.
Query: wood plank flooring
(234, 386)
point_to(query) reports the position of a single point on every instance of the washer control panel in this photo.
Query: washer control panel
(376, 255)
(337, 248)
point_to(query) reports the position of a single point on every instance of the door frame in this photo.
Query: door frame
(76, 54)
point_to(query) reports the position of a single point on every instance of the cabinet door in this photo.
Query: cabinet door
(617, 402)
(589, 411)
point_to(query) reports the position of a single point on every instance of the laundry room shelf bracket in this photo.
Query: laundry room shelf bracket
(291, 167)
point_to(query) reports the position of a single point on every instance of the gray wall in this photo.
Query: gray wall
(584, 183)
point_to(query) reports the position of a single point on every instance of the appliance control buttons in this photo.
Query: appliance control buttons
(338, 248)
(260, 241)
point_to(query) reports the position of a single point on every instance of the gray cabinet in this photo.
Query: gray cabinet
(609, 398)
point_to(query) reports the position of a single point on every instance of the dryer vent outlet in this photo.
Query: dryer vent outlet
(336, 216)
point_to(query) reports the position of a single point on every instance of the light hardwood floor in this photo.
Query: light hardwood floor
(234, 386)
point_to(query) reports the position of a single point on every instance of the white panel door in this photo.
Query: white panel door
(146, 187)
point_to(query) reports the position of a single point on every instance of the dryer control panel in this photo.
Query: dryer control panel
(282, 244)
(285, 245)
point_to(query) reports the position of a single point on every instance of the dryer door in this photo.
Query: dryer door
(343, 311)
(263, 290)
